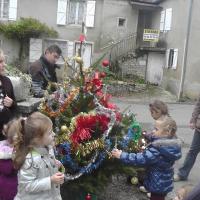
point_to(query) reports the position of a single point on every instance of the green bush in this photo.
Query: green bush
(24, 29)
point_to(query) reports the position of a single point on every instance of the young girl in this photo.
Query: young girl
(38, 176)
(159, 110)
(158, 159)
(8, 175)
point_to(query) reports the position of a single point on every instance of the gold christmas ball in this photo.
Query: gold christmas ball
(79, 60)
(134, 180)
(64, 129)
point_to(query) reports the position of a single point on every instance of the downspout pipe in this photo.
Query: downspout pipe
(185, 51)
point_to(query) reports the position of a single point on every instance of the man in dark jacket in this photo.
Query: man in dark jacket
(43, 70)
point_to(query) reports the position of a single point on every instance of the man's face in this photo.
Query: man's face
(52, 57)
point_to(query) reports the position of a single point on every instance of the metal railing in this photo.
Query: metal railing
(119, 49)
(122, 47)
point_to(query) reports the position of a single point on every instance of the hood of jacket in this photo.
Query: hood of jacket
(169, 148)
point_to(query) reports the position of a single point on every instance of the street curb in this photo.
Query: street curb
(118, 100)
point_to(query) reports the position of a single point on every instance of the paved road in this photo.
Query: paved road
(181, 113)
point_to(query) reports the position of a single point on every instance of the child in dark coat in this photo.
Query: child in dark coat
(8, 175)
(158, 159)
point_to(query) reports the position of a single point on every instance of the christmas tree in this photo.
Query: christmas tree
(88, 126)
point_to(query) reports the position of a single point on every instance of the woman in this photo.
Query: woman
(7, 98)
(194, 150)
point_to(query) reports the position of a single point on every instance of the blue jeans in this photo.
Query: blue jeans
(191, 156)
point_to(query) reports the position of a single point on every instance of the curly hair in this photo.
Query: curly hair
(29, 133)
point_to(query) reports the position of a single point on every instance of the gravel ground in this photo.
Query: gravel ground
(119, 189)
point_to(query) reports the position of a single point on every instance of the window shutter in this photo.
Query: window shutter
(90, 13)
(168, 19)
(61, 12)
(167, 58)
(162, 20)
(70, 51)
(175, 59)
(12, 10)
(35, 49)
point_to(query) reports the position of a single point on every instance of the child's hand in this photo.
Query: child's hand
(58, 163)
(58, 178)
(61, 168)
(116, 153)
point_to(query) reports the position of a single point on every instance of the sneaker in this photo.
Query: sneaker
(142, 189)
(178, 178)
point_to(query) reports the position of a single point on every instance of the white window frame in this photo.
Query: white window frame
(2, 10)
(77, 12)
(166, 20)
(12, 10)
(61, 12)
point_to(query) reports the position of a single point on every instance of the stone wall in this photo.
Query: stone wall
(121, 88)
(131, 65)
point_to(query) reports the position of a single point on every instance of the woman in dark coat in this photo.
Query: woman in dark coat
(7, 98)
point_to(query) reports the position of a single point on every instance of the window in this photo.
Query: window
(76, 12)
(8, 9)
(4, 9)
(172, 58)
(121, 22)
(165, 20)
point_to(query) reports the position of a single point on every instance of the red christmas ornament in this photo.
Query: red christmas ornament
(105, 63)
(88, 197)
(96, 75)
(102, 75)
(82, 38)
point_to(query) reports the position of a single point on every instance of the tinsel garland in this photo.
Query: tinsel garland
(99, 154)
(46, 108)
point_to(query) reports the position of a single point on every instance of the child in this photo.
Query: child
(183, 192)
(159, 110)
(8, 175)
(158, 159)
(38, 176)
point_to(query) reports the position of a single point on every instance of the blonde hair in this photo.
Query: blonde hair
(10, 130)
(29, 132)
(169, 125)
(183, 192)
(158, 105)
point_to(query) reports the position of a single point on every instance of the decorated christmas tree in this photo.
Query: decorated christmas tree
(88, 126)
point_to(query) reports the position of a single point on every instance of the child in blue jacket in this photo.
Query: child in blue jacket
(158, 159)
